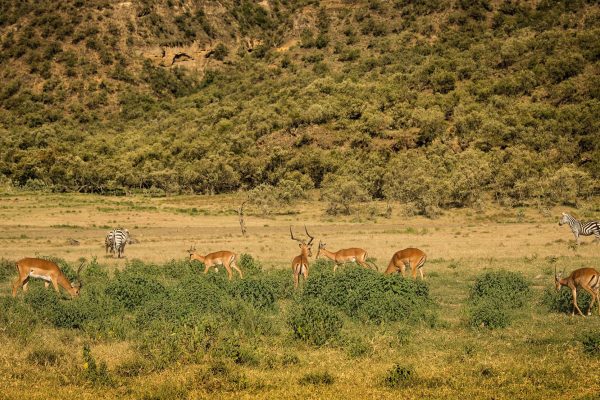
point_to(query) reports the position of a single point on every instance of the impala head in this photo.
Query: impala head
(78, 283)
(302, 243)
(192, 250)
(321, 246)
(557, 278)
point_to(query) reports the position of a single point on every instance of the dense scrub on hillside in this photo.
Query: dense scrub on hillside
(437, 103)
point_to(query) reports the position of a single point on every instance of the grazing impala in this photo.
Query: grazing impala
(224, 258)
(587, 278)
(300, 262)
(47, 271)
(411, 257)
(354, 254)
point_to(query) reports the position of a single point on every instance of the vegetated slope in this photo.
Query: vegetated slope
(452, 99)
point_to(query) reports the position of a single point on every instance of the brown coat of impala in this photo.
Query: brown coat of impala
(46, 270)
(410, 257)
(300, 262)
(224, 258)
(342, 256)
(586, 278)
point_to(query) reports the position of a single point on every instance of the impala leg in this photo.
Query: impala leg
(26, 285)
(55, 283)
(296, 278)
(18, 283)
(46, 284)
(234, 265)
(575, 306)
(402, 268)
(363, 264)
(335, 265)
(591, 292)
(421, 272)
(206, 267)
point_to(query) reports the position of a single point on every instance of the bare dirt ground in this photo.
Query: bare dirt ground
(165, 227)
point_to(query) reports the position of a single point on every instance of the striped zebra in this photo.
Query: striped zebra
(581, 228)
(117, 239)
(108, 242)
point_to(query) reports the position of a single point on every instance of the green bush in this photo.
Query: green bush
(508, 289)
(363, 293)
(488, 314)
(249, 265)
(591, 343)
(133, 291)
(17, 318)
(97, 374)
(399, 376)
(314, 322)
(562, 301)
(7, 269)
(256, 292)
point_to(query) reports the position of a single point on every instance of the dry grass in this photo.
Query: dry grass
(537, 357)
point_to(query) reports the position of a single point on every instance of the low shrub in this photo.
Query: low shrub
(488, 314)
(357, 347)
(132, 367)
(315, 322)
(509, 289)
(7, 269)
(17, 319)
(256, 292)
(562, 301)
(399, 376)
(591, 343)
(96, 374)
(134, 290)
(249, 265)
(317, 378)
(364, 293)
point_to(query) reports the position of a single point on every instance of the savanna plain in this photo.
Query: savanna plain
(152, 326)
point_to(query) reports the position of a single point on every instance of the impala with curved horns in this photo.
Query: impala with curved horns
(586, 278)
(46, 270)
(224, 258)
(410, 257)
(342, 256)
(300, 262)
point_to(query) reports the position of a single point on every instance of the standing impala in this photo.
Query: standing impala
(587, 278)
(353, 254)
(410, 257)
(47, 271)
(224, 258)
(300, 262)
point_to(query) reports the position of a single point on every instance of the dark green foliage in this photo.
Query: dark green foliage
(494, 296)
(256, 292)
(562, 301)
(7, 269)
(97, 374)
(317, 378)
(248, 264)
(590, 341)
(488, 314)
(314, 322)
(17, 318)
(369, 295)
(399, 376)
(133, 291)
(507, 289)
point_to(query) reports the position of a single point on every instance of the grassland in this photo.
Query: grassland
(540, 355)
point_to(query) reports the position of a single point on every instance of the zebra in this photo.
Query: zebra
(108, 243)
(119, 237)
(581, 228)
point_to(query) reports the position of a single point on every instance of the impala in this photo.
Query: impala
(224, 258)
(411, 257)
(353, 254)
(587, 278)
(300, 262)
(47, 271)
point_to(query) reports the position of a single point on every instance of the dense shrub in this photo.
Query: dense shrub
(507, 289)
(314, 322)
(362, 293)
(591, 343)
(256, 292)
(133, 291)
(399, 376)
(562, 301)
(7, 269)
(18, 319)
(488, 314)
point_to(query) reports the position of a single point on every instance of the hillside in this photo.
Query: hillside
(445, 101)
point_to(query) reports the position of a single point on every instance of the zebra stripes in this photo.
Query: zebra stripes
(581, 228)
(116, 240)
